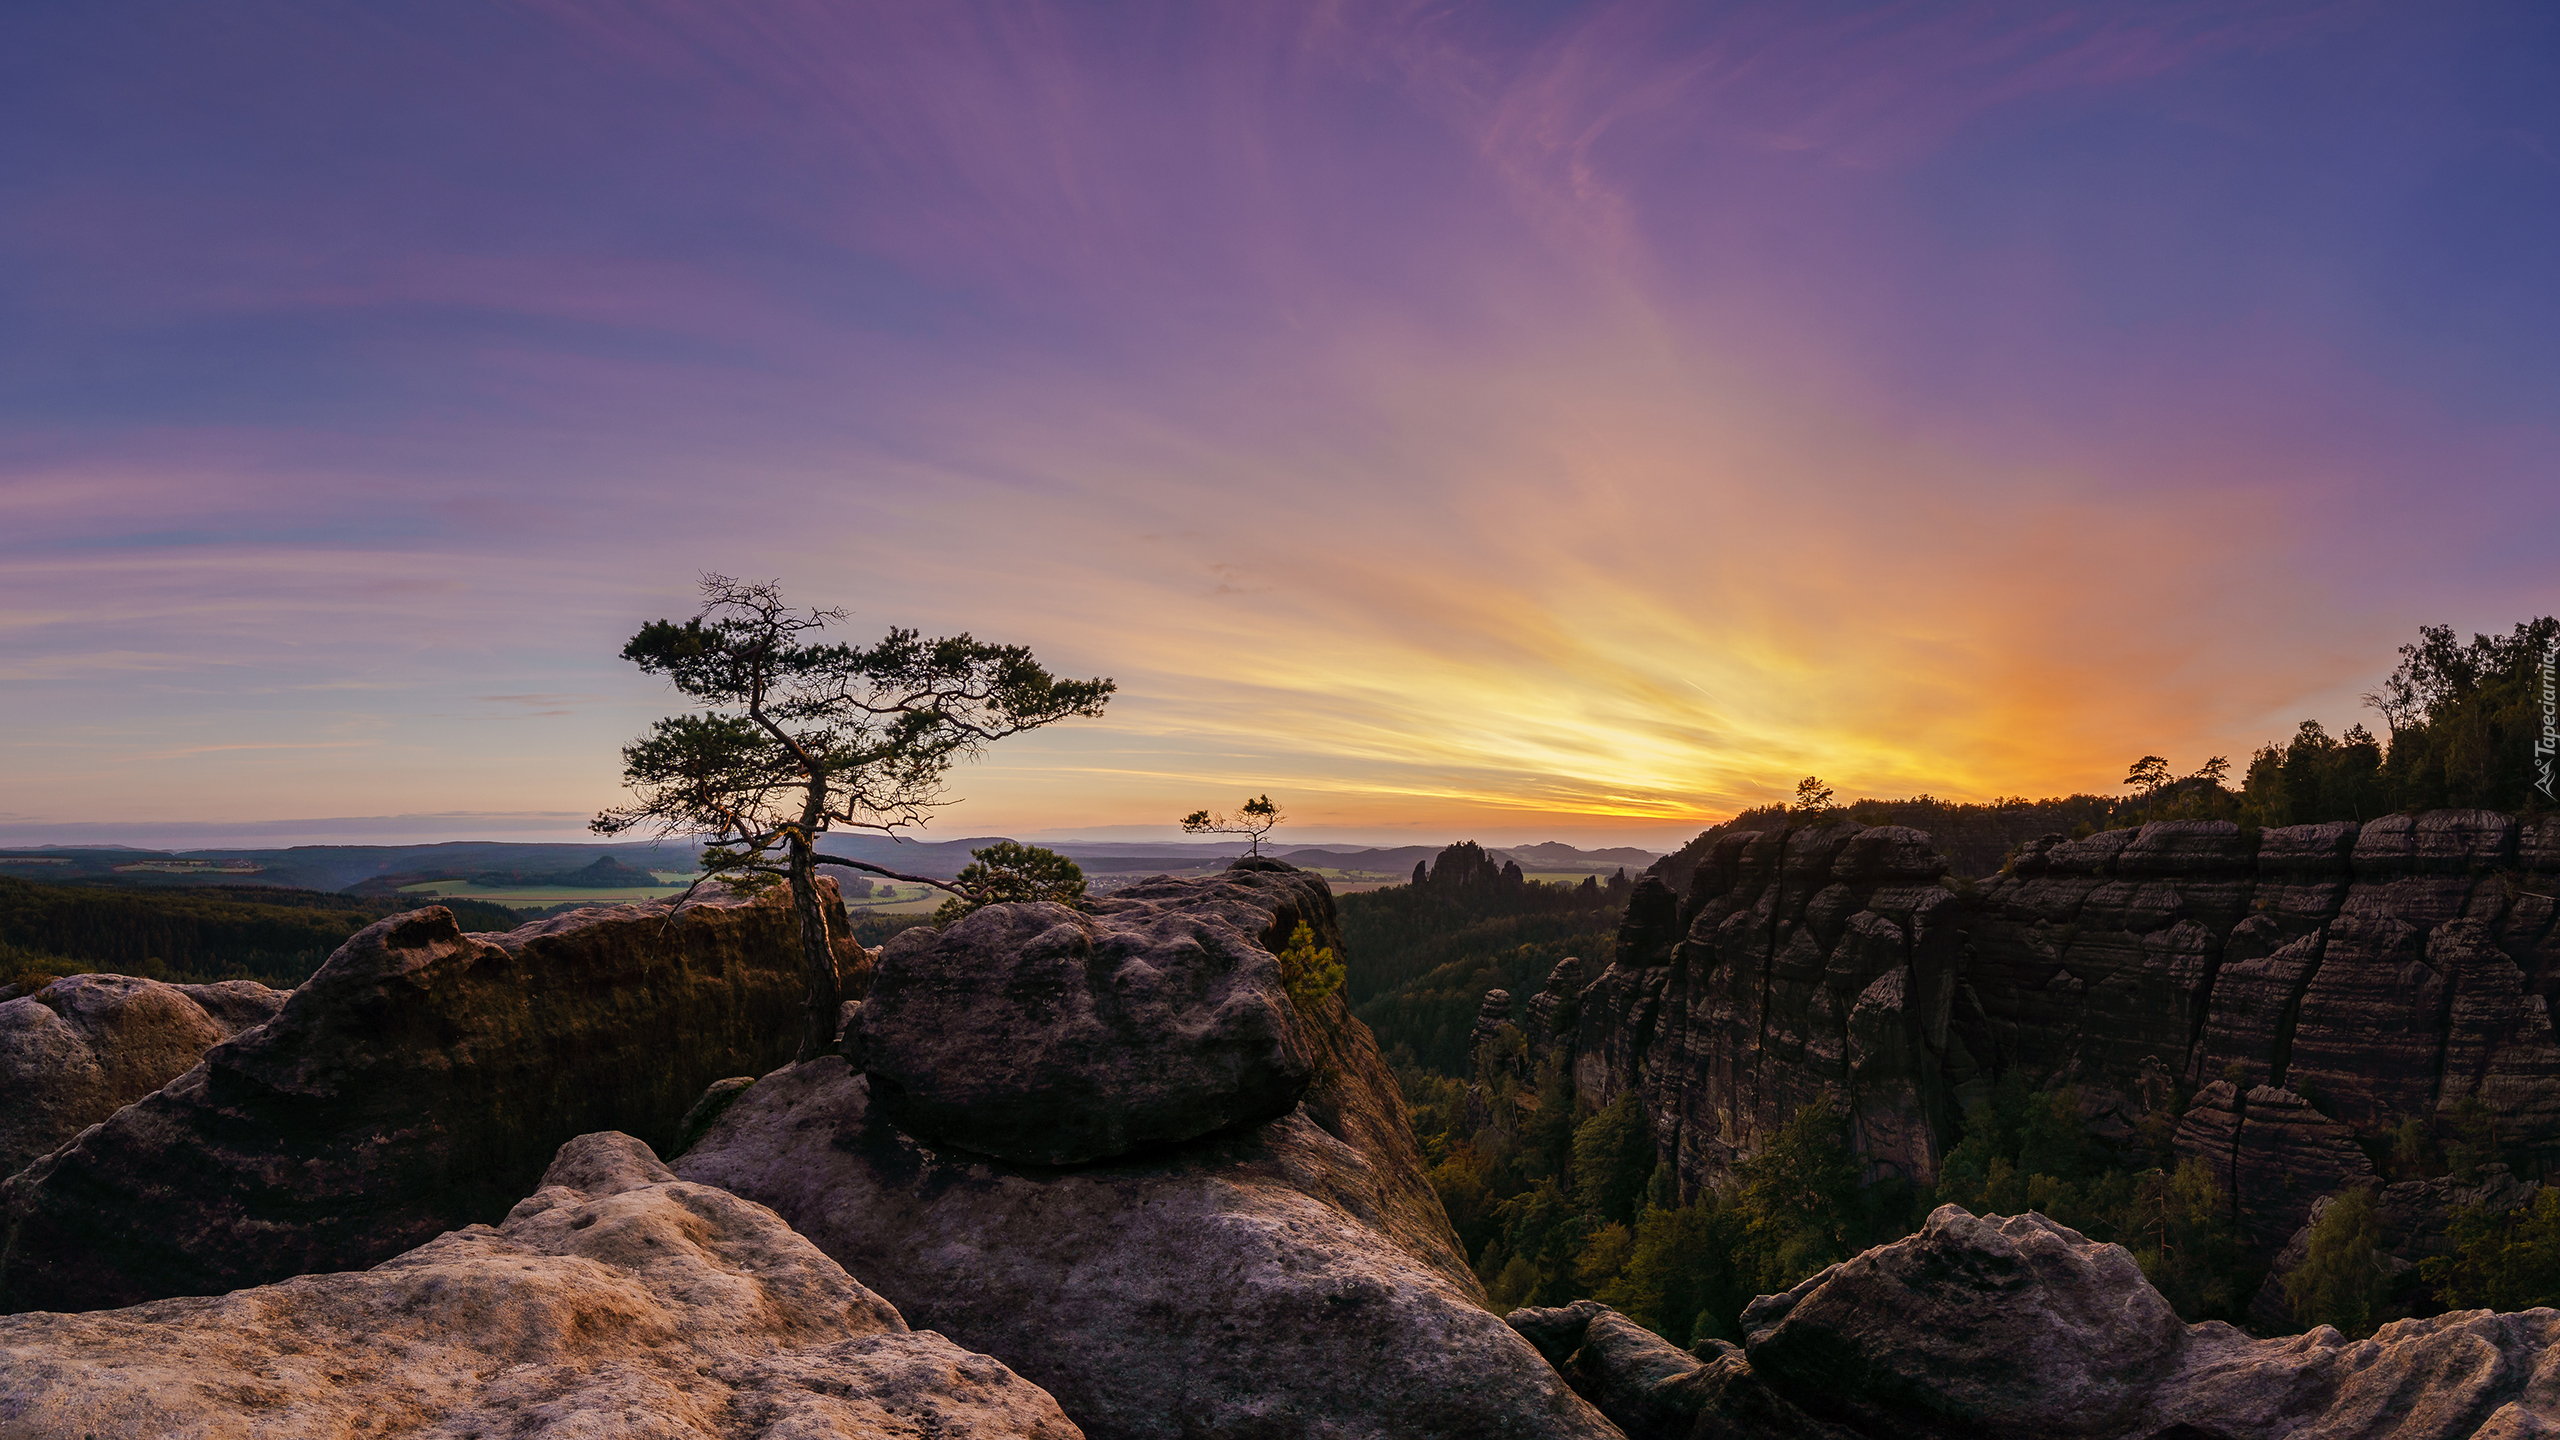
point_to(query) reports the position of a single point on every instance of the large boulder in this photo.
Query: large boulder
(1046, 1035)
(1290, 1277)
(615, 1300)
(418, 1082)
(1982, 1327)
(2019, 1329)
(85, 1046)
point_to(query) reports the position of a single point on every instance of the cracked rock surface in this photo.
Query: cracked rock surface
(616, 1300)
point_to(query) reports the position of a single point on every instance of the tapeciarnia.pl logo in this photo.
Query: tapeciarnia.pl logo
(2544, 749)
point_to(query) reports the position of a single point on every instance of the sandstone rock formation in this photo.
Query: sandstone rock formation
(85, 1046)
(1802, 966)
(2019, 1329)
(2356, 976)
(1294, 1276)
(418, 1082)
(615, 1300)
(2273, 1154)
(1553, 1015)
(1040, 1034)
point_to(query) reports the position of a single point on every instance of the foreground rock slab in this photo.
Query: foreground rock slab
(417, 1083)
(85, 1046)
(614, 1301)
(2021, 1329)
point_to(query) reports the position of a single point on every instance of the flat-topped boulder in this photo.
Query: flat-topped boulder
(614, 1300)
(1045, 1035)
(418, 1082)
(85, 1046)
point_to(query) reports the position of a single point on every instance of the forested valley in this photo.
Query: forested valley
(1556, 1199)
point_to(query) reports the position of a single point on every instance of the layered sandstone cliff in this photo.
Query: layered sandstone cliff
(2287, 996)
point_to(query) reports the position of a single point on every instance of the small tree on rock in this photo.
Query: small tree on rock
(1812, 796)
(798, 736)
(1009, 872)
(1309, 973)
(1253, 820)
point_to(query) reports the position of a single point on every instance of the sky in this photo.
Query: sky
(1509, 421)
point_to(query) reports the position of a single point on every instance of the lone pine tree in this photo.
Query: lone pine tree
(797, 736)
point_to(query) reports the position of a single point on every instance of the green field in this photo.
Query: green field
(888, 898)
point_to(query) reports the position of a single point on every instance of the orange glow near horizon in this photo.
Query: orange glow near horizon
(1581, 422)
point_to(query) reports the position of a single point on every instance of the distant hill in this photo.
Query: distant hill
(375, 869)
(327, 867)
(195, 932)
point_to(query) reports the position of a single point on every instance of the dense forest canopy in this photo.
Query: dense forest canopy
(234, 932)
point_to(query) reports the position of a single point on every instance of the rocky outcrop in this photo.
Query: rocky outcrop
(1045, 1035)
(419, 1081)
(2390, 969)
(1811, 966)
(1289, 1276)
(1652, 1389)
(2273, 1155)
(1554, 1011)
(615, 1300)
(2365, 974)
(85, 1046)
(2020, 1329)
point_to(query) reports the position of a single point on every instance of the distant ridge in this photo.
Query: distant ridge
(343, 867)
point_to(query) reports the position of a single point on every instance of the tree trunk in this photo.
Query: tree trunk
(817, 957)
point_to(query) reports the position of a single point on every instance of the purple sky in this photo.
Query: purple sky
(1521, 421)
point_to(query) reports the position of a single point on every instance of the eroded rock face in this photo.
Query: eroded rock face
(1039, 1034)
(615, 1300)
(85, 1046)
(1809, 966)
(1292, 1277)
(2273, 1154)
(1234, 1285)
(2369, 974)
(2019, 1329)
(418, 1082)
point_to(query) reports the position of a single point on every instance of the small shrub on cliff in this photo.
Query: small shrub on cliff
(1311, 975)
(1008, 872)
(2341, 1281)
(1800, 1198)
(2178, 1227)
(1613, 1158)
(2507, 1261)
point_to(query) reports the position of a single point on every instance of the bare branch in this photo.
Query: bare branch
(962, 891)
